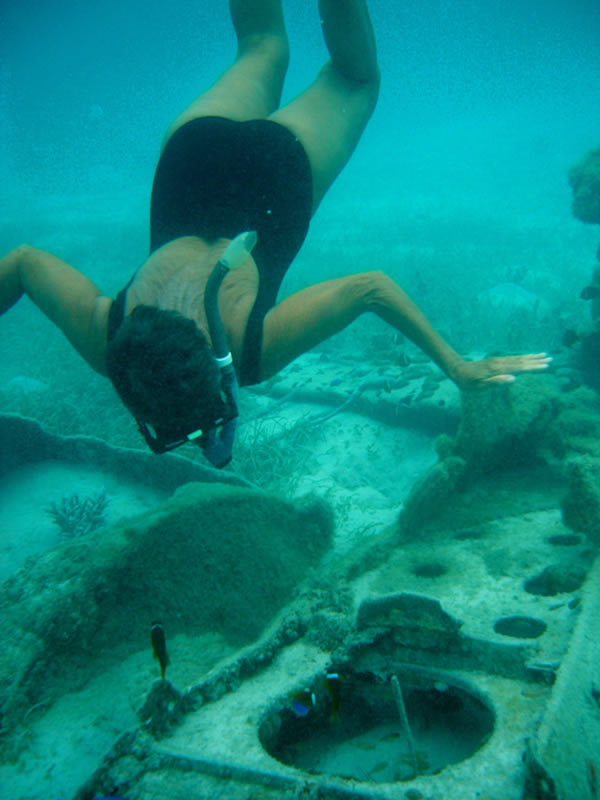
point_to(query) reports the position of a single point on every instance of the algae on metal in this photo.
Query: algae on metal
(564, 753)
(529, 425)
(26, 441)
(212, 558)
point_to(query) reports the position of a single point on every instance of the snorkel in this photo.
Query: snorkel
(218, 446)
(216, 441)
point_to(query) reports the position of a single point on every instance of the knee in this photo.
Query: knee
(363, 86)
(366, 73)
(371, 86)
(272, 48)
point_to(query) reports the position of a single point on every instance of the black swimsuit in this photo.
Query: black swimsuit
(216, 178)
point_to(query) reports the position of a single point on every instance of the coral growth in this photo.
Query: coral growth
(77, 516)
(584, 179)
(503, 429)
(581, 506)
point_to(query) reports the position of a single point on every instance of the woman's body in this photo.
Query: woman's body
(326, 123)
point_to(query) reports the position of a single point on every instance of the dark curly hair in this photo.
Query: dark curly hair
(164, 372)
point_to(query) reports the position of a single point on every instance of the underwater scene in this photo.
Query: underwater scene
(300, 400)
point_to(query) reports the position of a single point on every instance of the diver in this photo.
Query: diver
(238, 171)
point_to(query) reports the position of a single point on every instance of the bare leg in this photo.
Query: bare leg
(350, 39)
(251, 87)
(330, 116)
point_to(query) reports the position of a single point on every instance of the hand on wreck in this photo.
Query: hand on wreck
(473, 375)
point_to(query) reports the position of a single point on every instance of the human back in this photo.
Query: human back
(174, 278)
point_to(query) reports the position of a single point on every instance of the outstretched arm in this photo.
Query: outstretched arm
(65, 295)
(312, 315)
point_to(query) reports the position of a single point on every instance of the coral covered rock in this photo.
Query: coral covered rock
(504, 428)
(501, 429)
(212, 558)
(584, 179)
(581, 506)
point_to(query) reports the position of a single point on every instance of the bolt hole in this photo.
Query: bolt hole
(520, 627)
(429, 570)
(565, 540)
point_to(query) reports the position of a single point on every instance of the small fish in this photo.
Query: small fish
(592, 777)
(364, 744)
(159, 646)
(570, 337)
(407, 399)
(333, 686)
(302, 702)
(424, 394)
(389, 737)
(379, 767)
(336, 381)
(590, 292)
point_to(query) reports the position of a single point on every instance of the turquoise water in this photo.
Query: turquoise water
(482, 111)
(458, 186)
(458, 190)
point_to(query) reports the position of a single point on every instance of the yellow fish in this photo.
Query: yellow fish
(159, 646)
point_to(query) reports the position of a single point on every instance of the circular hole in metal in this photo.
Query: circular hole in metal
(520, 627)
(429, 570)
(556, 579)
(354, 730)
(565, 540)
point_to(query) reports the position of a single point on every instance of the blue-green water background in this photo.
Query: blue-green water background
(458, 189)
(458, 186)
